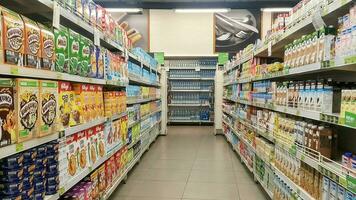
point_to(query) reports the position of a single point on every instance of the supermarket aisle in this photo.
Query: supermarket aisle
(190, 163)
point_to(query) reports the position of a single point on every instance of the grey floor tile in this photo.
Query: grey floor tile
(176, 175)
(210, 191)
(251, 192)
(225, 165)
(214, 176)
(170, 164)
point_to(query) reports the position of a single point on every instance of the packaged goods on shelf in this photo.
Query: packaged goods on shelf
(7, 112)
(32, 44)
(114, 102)
(48, 107)
(139, 52)
(115, 134)
(133, 113)
(115, 66)
(36, 173)
(47, 48)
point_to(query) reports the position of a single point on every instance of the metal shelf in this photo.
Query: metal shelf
(137, 101)
(23, 146)
(189, 105)
(139, 61)
(188, 121)
(183, 90)
(75, 129)
(239, 62)
(143, 118)
(140, 81)
(193, 78)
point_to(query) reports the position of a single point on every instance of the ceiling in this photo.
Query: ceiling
(170, 4)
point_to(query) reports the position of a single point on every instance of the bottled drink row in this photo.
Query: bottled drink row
(189, 114)
(192, 63)
(191, 85)
(191, 73)
(189, 98)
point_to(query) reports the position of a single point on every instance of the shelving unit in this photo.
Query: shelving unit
(190, 89)
(239, 114)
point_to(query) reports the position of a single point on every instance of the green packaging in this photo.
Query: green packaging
(74, 40)
(84, 56)
(61, 37)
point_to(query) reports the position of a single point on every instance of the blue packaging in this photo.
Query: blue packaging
(14, 188)
(11, 175)
(12, 162)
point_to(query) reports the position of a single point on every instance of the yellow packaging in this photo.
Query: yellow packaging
(27, 98)
(65, 101)
(48, 107)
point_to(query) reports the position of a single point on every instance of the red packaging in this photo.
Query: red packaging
(92, 145)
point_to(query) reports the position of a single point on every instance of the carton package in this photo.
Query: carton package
(48, 107)
(27, 107)
(92, 145)
(7, 113)
(74, 40)
(99, 130)
(93, 71)
(13, 37)
(47, 48)
(83, 152)
(32, 44)
(84, 57)
(81, 101)
(61, 37)
(100, 52)
(99, 101)
(72, 152)
(65, 103)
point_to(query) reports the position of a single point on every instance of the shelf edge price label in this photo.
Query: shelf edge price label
(14, 71)
(61, 191)
(19, 147)
(56, 14)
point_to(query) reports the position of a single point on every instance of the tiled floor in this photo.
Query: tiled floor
(189, 164)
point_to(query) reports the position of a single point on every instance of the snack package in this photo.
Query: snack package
(101, 180)
(74, 39)
(92, 145)
(101, 140)
(100, 62)
(47, 48)
(32, 44)
(93, 61)
(65, 102)
(13, 37)
(72, 155)
(84, 57)
(99, 101)
(81, 101)
(48, 107)
(83, 158)
(95, 184)
(61, 37)
(92, 102)
(27, 99)
(7, 113)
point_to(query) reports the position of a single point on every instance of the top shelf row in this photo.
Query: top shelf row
(274, 45)
(60, 16)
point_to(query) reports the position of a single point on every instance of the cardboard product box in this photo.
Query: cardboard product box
(74, 43)
(101, 180)
(83, 156)
(32, 44)
(72, 155)
(47, 48)
(65, 103)
(82, 102)
(92, 101)
(109, 136)
(100, 52)
(101, 140)
(27, 107)
(7, 112)
(84, 56)
(108, 173)
(92, 145)
(61, 49)
(99, 101)
(49, 117)
(93, 70)
(95, 184)
(13, 37)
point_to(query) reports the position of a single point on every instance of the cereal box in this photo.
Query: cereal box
(100, 62)
(72, 155)
(61, 37)
(83, 157)
(124, 129)
(108, 173)
(108, 102)
(48, 107)
(32, 44)
(101, 140)
(81, 101)
(93, 63)
(95, 185)
(27, 98)
(92, 100)
(101, 180)
(114, 170)
(7, 113)
(109, 139)
(117, 157)
(84, 56)
(13, 37)
(74, 39)
(92, 145)
(92, 12)
(47, 48)
(65, 101)
(99, 101)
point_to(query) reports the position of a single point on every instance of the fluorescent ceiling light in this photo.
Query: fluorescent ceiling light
(127, 10)
(207, 10)
(276, 9)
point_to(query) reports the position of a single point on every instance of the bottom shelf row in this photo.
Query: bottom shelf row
(280, 183)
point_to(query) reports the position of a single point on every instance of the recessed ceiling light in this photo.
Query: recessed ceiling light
(130, 10)
(276, 9)
(207, 10)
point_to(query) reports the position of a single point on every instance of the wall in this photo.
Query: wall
(190, 34)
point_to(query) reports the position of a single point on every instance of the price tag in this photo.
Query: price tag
(343, 182)
(197, 69)
(56, 14)
(59, 76)
(269, 48)
(317, 20)
(14, 71)
(61, 191)
(19, 147)
(97, 37)
(90, 80)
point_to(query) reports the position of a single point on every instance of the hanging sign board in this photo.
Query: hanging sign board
(159, 56)
(223, 58)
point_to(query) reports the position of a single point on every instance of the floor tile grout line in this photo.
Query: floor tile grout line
(236, 184)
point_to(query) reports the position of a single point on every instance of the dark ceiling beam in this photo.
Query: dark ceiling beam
(172, 5)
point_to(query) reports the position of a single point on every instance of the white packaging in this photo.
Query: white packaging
(333, 189)
(340, 193)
